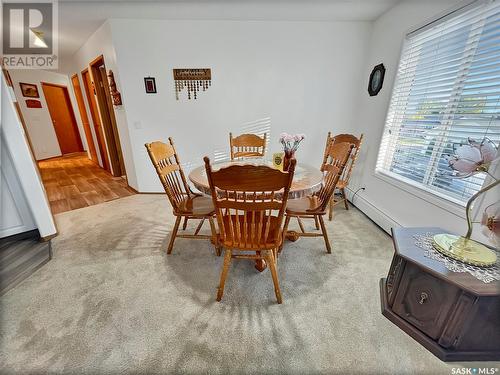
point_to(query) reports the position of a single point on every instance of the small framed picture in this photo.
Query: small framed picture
(376, 80)
(150, 85)
(32, 103)
(29, 90)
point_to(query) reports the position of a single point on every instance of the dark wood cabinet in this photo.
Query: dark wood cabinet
(454, 315)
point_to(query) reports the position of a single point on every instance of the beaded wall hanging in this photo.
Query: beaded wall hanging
(193, 80)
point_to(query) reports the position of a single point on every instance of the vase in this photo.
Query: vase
(289, 155)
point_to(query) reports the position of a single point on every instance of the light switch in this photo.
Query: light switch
(137, 124)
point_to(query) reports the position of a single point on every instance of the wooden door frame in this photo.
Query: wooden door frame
(101, 141)
(69, 105)
(107, 114)
(84, 115)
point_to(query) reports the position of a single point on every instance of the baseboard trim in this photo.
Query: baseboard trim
(379, 217)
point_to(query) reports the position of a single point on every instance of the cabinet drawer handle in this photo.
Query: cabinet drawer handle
(423, 297)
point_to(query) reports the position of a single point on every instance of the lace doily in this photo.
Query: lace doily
(485, 274)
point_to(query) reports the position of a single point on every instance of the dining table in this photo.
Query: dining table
(306, 181)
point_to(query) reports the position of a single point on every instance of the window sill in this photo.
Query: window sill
(448, 204)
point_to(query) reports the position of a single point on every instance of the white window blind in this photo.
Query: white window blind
(447, 89)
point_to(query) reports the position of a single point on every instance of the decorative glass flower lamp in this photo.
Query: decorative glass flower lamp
(469, 159)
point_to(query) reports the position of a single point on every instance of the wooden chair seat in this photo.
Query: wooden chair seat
(197, 206)
(248, 236)
(304, 206)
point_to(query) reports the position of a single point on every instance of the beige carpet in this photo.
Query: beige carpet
(111, 301)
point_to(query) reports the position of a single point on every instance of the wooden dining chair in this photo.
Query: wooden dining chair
(346, 175)
(316, 205)
(247, 146)
(250, 204)
(185, 203)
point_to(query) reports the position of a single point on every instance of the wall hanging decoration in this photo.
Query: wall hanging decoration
(115, 94)
(193, 80)
(376, 80)
(150, 85)
(31, 103)
(29, 90)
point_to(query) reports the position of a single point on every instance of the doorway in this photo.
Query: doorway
(63, 118)
(106, 110)
(94, 113)
(85, 119)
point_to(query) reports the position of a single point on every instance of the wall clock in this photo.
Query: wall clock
(376, 80)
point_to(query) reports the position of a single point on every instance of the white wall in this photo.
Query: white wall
(38, 122)
(21, 173)
(303, 76)
(100, 43)
(385, 203)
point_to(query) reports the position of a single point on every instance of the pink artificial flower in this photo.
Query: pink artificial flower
(283, 136)
(289, 138)
(299, 137)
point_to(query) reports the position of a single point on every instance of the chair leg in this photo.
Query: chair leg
(198, 228)
(346, 203)
(174, 234)
(316, 222)
(214, 236)
(223, 275)
(285, 228)
(325, 235)
(271, 261)
(301, 226)
(184, 225)
(330, 209)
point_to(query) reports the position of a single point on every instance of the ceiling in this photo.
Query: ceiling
(79, 19)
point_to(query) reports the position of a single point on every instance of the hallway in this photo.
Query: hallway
(74, 181)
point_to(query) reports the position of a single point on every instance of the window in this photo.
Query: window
(447, 89)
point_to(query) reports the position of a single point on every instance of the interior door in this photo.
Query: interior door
(85, 119)
(94, 112)
(63, 118)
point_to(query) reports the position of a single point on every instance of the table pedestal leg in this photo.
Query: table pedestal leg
(260, 264)
(291, 235)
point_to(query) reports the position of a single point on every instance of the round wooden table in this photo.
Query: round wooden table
(306, 180)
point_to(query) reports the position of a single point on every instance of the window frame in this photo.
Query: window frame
(421, 190)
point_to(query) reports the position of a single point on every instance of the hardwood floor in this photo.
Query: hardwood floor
(74, 181)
